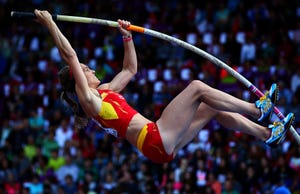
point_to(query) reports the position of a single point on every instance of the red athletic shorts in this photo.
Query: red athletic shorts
(150, 144)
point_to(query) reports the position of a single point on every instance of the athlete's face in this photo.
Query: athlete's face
(93, 81)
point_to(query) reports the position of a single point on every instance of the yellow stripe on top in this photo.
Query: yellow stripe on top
(108, 112)
(141, 138)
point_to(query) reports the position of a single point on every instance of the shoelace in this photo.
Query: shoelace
(276, 123)
(279, 129)
(263, 97)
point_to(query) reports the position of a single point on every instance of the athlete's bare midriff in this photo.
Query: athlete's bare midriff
(134, 128)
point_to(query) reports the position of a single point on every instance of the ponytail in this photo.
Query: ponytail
(81, 119)
(68, 94)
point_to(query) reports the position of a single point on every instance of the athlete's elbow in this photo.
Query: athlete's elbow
(130, 71)
(133, 72)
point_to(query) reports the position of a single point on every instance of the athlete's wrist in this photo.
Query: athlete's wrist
(127, 37)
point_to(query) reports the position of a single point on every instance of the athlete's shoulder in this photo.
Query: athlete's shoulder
(105, 88)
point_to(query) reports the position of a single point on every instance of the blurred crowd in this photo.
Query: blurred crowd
(41, 151)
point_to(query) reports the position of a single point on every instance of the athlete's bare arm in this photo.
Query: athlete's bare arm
(129, 68)
(86, 96)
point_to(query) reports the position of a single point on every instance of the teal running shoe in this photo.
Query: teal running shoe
(279, 130)
(266, 103)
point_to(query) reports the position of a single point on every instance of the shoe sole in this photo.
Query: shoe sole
(274, 103)
(287, 127)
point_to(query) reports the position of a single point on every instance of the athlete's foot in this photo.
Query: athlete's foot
(279, 130)
(266, 103)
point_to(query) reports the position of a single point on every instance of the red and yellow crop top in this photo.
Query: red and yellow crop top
(115, 113)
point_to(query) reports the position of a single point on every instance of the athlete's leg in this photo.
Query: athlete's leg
(178, 115)
(229, 120)
(243, 124)
(202, 116)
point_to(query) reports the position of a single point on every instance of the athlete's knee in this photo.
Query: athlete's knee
(199, 87)
(218, 114)
(209, 111)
